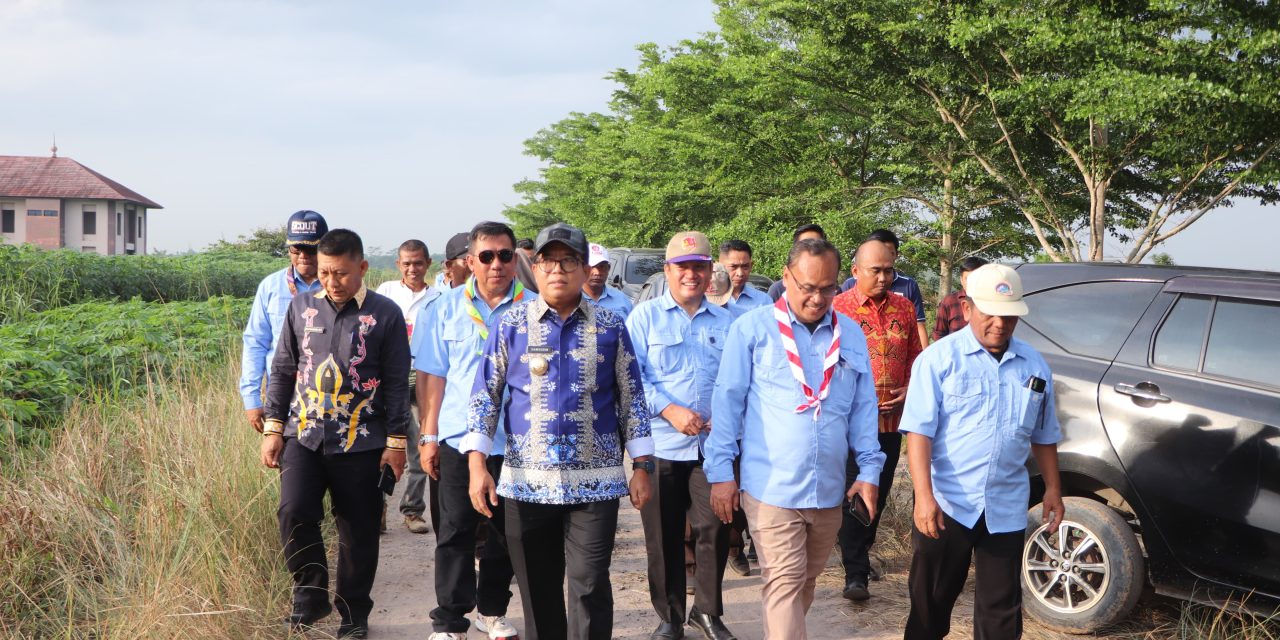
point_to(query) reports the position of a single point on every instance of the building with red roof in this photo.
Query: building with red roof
(59, 203)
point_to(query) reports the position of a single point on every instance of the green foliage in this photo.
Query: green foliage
(33, 280)
(103, 348)
(265, 240)
(1162, 259)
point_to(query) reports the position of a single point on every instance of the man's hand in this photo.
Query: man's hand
(641, 488)
(1053, 509)
(483, 492)
(928, 516)
(894, 403)
(256, 418)
(429, 459)
(685, 420)
(270, 450)
(724, 500)
(870, 495)
(395, 458)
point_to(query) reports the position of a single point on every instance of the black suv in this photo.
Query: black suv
(1168, 389)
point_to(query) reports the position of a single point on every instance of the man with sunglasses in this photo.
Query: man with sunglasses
(447, 347)
(795, 397)
(270, 304)
(560, 379)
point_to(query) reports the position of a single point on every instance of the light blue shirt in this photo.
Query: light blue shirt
(749, 299)
(613, 300)
(792, 460)
(447, 343)
(679, 358)
(982, 419)
(270, 304)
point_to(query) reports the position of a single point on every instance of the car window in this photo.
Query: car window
(640, 267)
(1244, 341)
(1091, 319)
(1181, 336)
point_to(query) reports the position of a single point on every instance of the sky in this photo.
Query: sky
(395, 119)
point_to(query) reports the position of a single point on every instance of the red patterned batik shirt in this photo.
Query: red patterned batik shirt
(893, 343)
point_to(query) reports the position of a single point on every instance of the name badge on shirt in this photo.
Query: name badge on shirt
(541, 350)
(313, 330)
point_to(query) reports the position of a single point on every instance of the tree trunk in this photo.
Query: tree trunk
(947, 248)
(1097, 218)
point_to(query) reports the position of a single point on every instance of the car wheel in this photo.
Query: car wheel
(1086, 574)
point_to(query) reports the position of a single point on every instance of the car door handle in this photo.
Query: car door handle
(1141, 393)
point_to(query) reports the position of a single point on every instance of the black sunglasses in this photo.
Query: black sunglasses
(302, 249)
(487, 256)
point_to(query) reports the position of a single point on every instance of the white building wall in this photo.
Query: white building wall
(19, 207)
(74, 237)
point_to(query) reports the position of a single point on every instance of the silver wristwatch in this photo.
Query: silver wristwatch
(427, 438)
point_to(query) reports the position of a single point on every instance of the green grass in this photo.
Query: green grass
(146, 517)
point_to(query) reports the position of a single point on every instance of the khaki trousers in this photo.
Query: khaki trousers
(793, 545)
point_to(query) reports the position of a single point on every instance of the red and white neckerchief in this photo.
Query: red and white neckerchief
(793, 357)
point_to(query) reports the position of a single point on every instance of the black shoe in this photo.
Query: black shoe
(751, 552)
(668, 631)
(856, 590)
(739, 564)
(303, 620)
(354, 629)
(709, 625)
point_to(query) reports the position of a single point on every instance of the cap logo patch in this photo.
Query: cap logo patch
(689, 242)
(1004, 289)
(558, 234)
(302, 226)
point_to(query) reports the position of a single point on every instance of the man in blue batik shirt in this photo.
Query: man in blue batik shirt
(678, 339)
(270, 304)
(795, 387)
(981, 402)
(561, 376)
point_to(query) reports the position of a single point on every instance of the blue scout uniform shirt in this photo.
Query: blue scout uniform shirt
(340, 377)
(261, 335)
(792, 460)
(679, 357)
(447, 343)
(982, 419)
(613, 300)
(570, 395)
(749, 299)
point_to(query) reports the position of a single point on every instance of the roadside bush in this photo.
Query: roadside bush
(104, 349)
(34, 280)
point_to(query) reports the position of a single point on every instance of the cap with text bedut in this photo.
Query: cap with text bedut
(688, 246)
(565, 234)
(306, 228)
(996, 290)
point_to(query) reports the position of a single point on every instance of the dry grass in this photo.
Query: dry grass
(152, 519)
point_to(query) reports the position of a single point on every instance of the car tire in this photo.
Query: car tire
(1096, 583)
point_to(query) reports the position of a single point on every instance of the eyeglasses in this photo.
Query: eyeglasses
(487, 256)
(824, 292)
(567, 264)
(298, 250)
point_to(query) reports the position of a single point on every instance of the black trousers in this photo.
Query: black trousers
(352, 482)
(938, 572)
(680, 491)
(545, 541)
(855, 538)
(457, 589)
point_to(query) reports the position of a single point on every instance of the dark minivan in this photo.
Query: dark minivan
(1168, 386)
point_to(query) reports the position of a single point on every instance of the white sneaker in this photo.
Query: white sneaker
(496, 626)
(441, 635)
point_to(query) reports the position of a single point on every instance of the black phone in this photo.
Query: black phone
(858, 509)
(388, 480)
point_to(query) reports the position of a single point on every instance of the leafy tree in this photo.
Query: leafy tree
(266, 240)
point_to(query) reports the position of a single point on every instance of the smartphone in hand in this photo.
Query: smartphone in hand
(388, 480)
(858, 509)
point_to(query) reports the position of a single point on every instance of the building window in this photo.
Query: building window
(90, 220)
(34, 213)
(119, 225)
(141, 226)
(7, 221)
(89, 249)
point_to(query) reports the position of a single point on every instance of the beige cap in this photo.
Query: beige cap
(996, 290)
(720, 289)
(687, 246)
